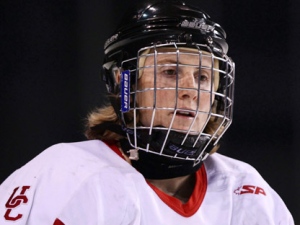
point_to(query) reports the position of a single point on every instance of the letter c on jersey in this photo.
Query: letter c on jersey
(14, 201)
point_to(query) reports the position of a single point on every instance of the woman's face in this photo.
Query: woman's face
(182, 109)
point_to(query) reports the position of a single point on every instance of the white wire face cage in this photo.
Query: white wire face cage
(179, 94)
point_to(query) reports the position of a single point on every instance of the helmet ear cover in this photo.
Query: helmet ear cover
(109, 77)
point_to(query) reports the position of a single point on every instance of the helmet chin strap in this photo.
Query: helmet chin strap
(173, 162)
(155, 166)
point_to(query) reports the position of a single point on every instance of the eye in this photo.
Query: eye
(169, 72)
(203, 78)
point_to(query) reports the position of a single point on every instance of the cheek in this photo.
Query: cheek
(165, 99)
(145, 100)
(162, 99)
(206, 101)
(158, 99)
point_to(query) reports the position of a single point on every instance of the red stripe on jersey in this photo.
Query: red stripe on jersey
(115, 148)
(58, 222)
(194, 202)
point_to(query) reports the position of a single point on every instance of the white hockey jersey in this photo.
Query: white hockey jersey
(86, 183)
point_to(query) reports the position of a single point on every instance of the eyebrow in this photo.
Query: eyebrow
(167, 61)
(173, 61)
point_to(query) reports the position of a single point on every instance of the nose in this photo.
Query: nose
(188, 87)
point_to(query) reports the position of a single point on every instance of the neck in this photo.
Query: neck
(178, 187)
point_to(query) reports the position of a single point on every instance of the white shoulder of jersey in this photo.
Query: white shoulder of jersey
(51, 178)
(88, 183)
(237, 186)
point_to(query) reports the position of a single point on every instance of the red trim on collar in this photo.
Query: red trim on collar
(115, 148)
(185, 209)
(190, 208)
(58, 222)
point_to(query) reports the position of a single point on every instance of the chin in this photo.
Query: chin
(186, 129)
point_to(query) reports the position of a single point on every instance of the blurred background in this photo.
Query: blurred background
(50, 63)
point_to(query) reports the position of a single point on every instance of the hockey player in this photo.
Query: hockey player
(151, 157)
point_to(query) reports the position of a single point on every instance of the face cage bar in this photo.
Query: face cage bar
(224, 93)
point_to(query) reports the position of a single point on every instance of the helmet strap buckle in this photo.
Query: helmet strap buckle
(133, 154)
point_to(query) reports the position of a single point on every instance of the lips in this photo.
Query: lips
(185, 112)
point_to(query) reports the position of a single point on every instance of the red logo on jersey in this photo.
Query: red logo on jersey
(14, 201)
(249, 189)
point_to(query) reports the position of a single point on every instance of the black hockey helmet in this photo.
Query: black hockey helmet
(160, 22)
(150, 27)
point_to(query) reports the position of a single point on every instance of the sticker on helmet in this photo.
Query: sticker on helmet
(125, 91)
(198, 24)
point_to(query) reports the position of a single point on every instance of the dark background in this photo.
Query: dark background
(50, 62)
